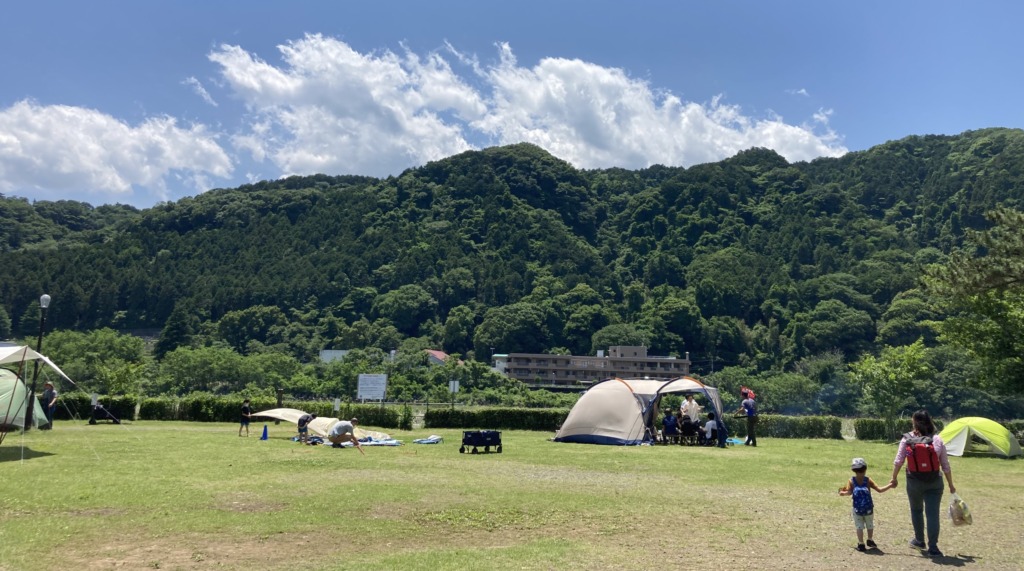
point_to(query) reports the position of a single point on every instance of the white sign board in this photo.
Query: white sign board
(453, 386)
(337, 405)
(372, 386)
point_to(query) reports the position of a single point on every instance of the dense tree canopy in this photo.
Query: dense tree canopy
(750, 265)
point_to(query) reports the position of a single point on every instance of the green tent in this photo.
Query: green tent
(13, 404)
(958, 436)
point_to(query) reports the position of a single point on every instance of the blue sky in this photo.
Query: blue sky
(141, 102)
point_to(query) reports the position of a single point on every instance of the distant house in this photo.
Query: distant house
(436, 357)
(544, 370)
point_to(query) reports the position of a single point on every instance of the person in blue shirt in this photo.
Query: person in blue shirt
(748, 408)
(670, 428)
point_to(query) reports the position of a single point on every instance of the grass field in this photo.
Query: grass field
(162, 495)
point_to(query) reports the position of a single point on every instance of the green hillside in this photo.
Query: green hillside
(751, 264)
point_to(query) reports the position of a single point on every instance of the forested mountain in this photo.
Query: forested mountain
(750, 262)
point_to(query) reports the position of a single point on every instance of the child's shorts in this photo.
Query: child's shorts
(863, 521)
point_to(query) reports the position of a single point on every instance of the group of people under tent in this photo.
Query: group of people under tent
(688, 427)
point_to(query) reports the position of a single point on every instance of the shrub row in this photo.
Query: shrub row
(496, 418)
(879, 429)
(778, 426)
(211, 408)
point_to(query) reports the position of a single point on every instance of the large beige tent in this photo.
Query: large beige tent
(618, 411)
(320, 426)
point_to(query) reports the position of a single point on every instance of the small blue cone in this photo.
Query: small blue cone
(264, 437)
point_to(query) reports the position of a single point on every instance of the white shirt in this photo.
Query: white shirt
(691, 409)
(708, 427)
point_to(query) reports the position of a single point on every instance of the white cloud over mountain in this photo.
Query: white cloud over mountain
(324, 107)
(57, 150)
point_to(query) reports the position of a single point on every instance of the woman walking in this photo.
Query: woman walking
(924, 453)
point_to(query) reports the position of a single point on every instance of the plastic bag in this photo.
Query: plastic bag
(959, 512)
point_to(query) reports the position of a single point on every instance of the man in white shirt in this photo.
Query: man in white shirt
(691, 409)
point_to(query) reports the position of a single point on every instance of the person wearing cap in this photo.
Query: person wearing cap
(49, 403)
(344, 431)
(303, 423)
(860, 487)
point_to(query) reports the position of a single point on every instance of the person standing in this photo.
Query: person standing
(860, 486)
(49, 403)
(303, 423)
(924, 453)
(246, 416)
(691, 409)
(748, 408)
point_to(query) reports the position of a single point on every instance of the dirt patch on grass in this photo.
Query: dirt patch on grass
(246, 503)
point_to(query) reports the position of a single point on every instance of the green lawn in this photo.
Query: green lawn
(162, 495)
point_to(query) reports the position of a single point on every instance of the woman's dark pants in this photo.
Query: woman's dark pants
(925, 499)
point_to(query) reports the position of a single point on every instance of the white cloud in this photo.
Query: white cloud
(53, 149)
(331, 109)
(327, 108)
(800, 91)
(595, 117)
(198, 89)
(324, 107)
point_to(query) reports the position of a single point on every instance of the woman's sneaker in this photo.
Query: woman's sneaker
(934, 552)
(917, 544)
(860, 547)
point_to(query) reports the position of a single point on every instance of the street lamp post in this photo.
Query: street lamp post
(44, 302)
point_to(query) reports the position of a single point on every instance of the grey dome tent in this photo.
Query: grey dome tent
(618, 411)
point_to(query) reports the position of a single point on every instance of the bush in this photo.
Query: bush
(879, 429)
(778, 426)
(496, 418)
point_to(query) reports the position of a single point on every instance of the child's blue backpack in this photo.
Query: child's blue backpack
(862, 504)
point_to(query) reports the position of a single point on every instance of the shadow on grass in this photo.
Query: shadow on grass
(14, 453)
(957, 561)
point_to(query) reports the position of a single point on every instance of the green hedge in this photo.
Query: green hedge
(212, 408)
(879, 429)
(79, 406)
(778, 426)
(496, 418)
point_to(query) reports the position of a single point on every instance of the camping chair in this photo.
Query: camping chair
(690, 432)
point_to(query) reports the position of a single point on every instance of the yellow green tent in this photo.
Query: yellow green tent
(957, 437)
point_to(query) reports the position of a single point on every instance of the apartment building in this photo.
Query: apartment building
(541, 370)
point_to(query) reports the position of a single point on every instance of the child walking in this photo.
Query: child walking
(860, 487)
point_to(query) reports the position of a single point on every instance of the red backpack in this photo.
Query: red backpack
(921, 455)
